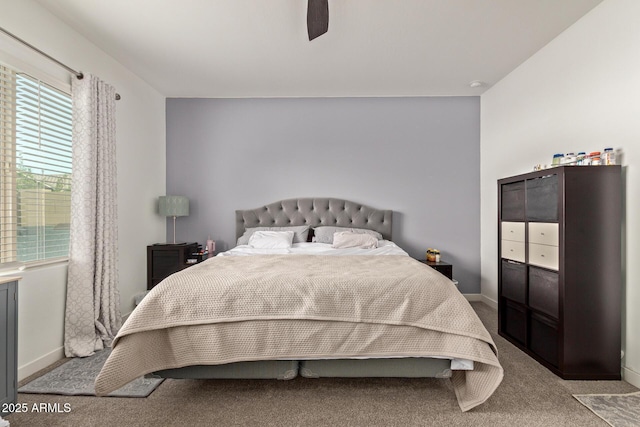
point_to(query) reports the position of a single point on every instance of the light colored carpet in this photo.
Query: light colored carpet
(529, 395)
(618, 410)
(76, 377)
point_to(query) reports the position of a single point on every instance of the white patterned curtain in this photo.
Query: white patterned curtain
(92, 316)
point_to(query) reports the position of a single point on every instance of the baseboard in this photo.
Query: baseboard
(491, 303)
(481, 298)
(631, 377)
(40, 363)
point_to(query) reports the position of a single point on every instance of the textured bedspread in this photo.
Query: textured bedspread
(231, 309)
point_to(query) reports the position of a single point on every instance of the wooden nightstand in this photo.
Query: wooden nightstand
(166, 259)
(443, 267)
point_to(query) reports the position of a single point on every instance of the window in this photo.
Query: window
(35, 169)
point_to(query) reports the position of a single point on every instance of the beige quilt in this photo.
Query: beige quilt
(266, 307)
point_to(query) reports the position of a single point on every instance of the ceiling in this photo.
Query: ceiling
(260, 48)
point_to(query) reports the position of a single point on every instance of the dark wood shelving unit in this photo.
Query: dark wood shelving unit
(560, 268)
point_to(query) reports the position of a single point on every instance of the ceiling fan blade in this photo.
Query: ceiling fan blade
(317, 18)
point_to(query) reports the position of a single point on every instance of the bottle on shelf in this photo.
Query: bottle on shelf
(210, 246)
(569, 159)
(608, 157)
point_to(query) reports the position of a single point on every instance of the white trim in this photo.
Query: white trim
(12, 269)
(22, 66)
(40, 363)
(632, 377)
(44, 263)
(490, 302)
(473, 297)
(19, 267)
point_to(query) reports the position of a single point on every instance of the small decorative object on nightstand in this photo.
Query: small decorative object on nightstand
(211, 246)
(443, 267)
(433, 255)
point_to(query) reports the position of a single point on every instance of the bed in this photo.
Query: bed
(279, 312)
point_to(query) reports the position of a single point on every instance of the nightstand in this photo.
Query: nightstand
(443, 267)
(166, 259)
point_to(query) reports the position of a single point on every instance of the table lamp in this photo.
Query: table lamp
(173, 206)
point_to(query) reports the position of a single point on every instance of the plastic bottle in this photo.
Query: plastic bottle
(569, 159)
(608, 157)
(557, 159)
(211, 246)
(580, 158)
(595, 158)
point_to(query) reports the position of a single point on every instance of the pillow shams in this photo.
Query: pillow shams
(271, 239)
(300, 233)
(324, 234)
(348, 239)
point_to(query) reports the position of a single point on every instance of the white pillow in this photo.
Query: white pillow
(324, 234)
(349, 239)
(271, 239)
(301, 233)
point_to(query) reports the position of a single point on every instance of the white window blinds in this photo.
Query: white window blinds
(35, 179)
(8, 203)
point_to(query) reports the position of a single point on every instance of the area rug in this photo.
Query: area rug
(76, 378)
(618, 410)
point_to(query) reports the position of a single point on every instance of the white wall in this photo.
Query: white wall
(141, 174)
(581, 92)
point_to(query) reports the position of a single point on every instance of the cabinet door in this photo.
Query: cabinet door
(542, 198)
(544, 233)
(543, 291)
(514, 322)
(544, 256)
(512, 250)
(544, 339)
(513, 231)
(166, 262)
(512, 196)
(514, 277)
(8, 318)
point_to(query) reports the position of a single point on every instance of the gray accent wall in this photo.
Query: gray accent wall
(419, 157)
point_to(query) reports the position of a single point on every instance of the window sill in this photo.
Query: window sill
(25, 266)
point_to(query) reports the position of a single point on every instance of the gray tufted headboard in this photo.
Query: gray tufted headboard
(315, 212)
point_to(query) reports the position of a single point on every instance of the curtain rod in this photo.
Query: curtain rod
(78, 74)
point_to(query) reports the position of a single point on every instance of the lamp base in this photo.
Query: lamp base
(174, 237)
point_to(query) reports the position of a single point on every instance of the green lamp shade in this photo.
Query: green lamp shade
(173, 206)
